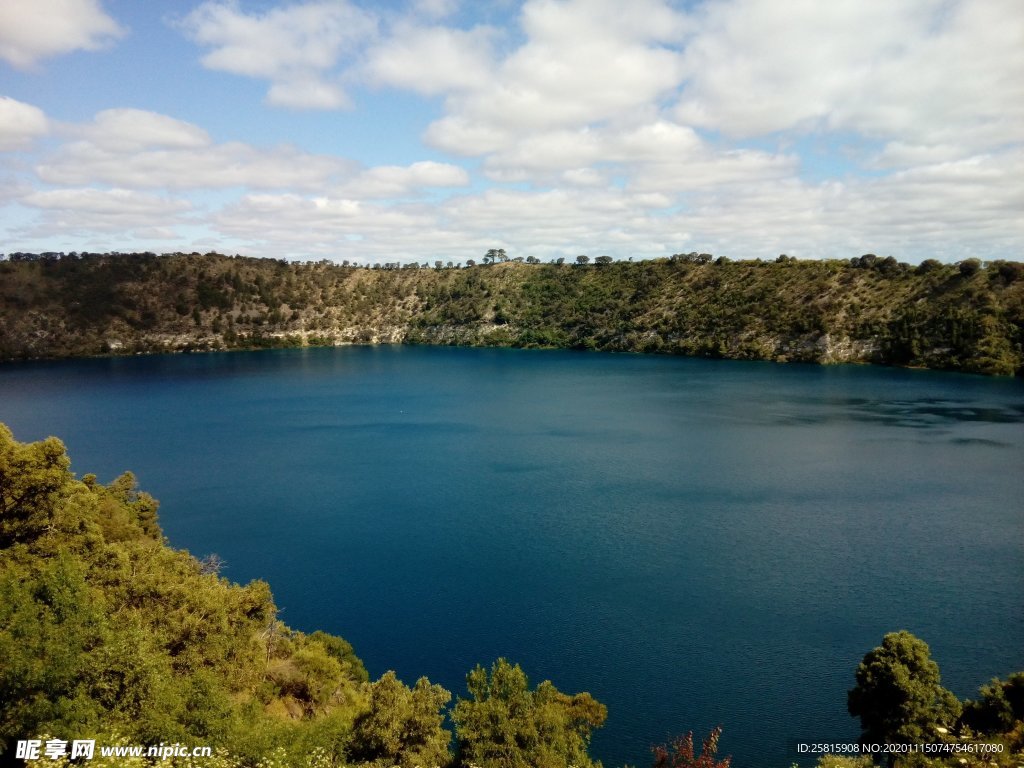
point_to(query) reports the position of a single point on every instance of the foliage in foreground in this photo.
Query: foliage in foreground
(680, 753)
(107, 633)
(900, 700)
(507, 725)
(899, 697)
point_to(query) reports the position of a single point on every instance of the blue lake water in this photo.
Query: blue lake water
(694, 542)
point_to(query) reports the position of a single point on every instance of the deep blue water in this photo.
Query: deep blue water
(694, 542)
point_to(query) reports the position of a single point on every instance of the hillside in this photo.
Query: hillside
(965, 317)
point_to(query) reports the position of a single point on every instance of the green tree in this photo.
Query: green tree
(899, 697)
(33, 479)
(969, 267)
(507, 725)
(1000, 707)
(402, 727)
(50, 626)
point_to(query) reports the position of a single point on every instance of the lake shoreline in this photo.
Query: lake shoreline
(346, 344)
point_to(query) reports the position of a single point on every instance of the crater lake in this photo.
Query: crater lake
(694, 542)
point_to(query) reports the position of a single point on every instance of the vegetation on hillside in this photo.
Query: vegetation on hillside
(967, 316)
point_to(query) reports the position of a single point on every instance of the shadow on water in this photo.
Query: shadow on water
(926, 413)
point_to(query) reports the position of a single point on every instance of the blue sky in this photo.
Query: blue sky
(434, 129)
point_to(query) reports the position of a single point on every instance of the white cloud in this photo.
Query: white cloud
(584, 177)
(947, 211)
(104, 201)
(88, 210)
(20, 124)
(232, 164)
(339, 228)
(629, 129)
(921, 72)
(128, 130)
(661, 156)
(584, 62)
(295, 47)
(31, 30)
(960, 82)
(307, 92)
(432, 60)
(132, 148)
(392, 181)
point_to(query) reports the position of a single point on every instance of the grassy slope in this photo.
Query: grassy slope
(939, 316)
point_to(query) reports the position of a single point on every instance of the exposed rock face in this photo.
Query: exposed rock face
(832, 349)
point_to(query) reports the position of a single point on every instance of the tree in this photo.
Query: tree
(495, 255)
(506, 725)
(33, 477)
(603, 260)
(1001, 705)
(898, 696)
(582, 259)
(969, 267)
(402, 727)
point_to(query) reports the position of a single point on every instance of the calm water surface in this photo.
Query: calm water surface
(694, 542)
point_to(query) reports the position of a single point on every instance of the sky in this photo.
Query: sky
(417, 130)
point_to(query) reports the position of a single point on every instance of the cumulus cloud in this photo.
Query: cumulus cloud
(307, 91)
(321, 226)
(392, 181)
(31, 30)
(661, 156)
(432, 60)
(582, 62)
(947, 210)
(89, 210)
(232, 164)
(595, 127)
(923, 72)
(128, 130)
(20, 124)
(133, 148)
(930, 79)
(295, 47)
